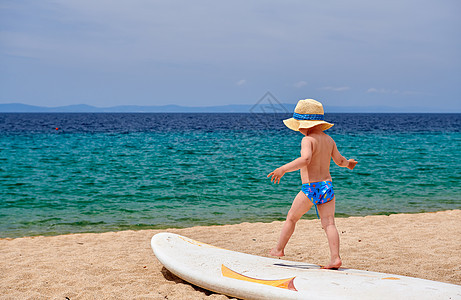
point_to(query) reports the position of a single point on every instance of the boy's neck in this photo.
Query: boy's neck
(313, 130)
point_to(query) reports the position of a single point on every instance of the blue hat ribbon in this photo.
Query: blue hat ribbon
(307, 117)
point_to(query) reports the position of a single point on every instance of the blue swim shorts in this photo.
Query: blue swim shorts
(318, 192)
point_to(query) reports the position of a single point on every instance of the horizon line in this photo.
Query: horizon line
(270, 107)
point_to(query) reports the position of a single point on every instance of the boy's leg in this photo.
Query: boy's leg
(327, 217)
(301, 205)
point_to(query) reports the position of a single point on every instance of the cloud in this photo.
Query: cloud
(413, 93)
(336, 89)
(241, 82)
(382, 91)
(395, 92)
(300, 84)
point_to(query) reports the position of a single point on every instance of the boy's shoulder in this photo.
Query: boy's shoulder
(329, 138)
(307, 138)
(317, 138)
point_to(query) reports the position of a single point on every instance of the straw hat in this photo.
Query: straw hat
(308, 113)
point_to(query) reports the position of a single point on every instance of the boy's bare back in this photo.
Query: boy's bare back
(318, 148)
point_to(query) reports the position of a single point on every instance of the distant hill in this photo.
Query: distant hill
(82, 108)
(258, 107)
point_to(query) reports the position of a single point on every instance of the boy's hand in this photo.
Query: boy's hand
(276, 175)
(352, 163)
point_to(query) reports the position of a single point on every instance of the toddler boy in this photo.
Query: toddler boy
(317, 149)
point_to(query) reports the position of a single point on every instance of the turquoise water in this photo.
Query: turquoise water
(53, 182)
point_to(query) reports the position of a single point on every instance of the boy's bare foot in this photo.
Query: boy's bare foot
(334, 264)
(275, 252)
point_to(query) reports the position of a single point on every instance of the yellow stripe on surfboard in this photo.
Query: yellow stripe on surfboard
(280, 283)
(197, 243)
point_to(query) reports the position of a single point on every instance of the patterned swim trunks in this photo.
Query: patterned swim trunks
(318, 192)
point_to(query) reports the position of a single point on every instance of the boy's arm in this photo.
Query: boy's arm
(305, 159)
(341, 160)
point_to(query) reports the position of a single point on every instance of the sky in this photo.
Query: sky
(397, 53)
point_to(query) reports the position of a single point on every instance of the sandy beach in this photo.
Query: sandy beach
(122, 265)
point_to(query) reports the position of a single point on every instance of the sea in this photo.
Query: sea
(66, 173)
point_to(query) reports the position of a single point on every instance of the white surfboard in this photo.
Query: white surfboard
(255, 277)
